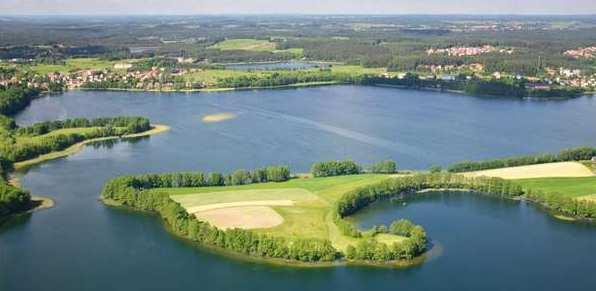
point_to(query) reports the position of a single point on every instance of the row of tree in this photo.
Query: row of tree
(573, 154)
(200, 179)
(335, 168)
(282, 78)
(133, 124)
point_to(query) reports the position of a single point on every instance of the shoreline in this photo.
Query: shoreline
(331, 83)
(75, 148)
(207, 90)
(38, 203)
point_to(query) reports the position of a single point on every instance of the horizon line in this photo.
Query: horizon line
(295, 14)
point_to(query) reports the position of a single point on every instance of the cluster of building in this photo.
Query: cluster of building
(587, 52)
(467, 51)
(155, 78)
(474, 67)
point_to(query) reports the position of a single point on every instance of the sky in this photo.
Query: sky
(124, 7)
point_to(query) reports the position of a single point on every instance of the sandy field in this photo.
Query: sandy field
(202, 208)
(591, 198)
(551, 170)
(245, 217)
(219, 117)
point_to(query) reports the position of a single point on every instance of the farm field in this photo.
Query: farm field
(73, 64)
(303, 205)
(256, 45)
(562, 169)
(578, 187)
(245, 44)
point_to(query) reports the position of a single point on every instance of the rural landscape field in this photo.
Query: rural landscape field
(349, 145)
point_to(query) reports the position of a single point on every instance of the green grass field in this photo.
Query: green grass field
(245, 44)
(570, 187)
(310, 216)
(74, 64)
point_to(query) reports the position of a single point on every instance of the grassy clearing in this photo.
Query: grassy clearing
(389, 239)
(309, 217)
(74, 64)
(570, 187)
(245, 44)
(199, 199)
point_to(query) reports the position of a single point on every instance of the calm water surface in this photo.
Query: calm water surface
(488, 244)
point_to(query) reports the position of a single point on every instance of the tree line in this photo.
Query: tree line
(572, 154)
(281, 78)
(132, 124)
(474, 86)
(349, 167)
(201, 179)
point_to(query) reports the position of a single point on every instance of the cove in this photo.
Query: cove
(82, 244)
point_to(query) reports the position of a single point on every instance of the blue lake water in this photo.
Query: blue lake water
(487, 244)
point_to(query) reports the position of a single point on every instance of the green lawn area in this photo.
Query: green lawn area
(210, 77)
(359, 70)
(310, 216)
(245, 44)
(74, 64)
(65, 131)
(388, 238)
(570, 187)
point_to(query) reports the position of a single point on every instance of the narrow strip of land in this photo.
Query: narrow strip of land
(75, 148)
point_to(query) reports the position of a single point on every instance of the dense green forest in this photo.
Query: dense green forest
(473, 86)
(335, 168)
(15, 99)
(573, 154)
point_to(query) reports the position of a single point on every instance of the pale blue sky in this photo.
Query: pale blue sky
(297, 6)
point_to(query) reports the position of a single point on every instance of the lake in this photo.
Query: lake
(487, 244)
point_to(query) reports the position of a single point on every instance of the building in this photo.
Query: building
(122, 66)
